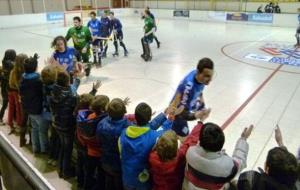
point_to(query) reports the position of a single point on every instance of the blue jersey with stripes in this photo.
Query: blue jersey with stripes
(106, 27)
(190, 90)
(67, 57)
(94, 26)
(116, 24)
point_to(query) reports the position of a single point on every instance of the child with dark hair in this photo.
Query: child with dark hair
(31, 91)
(108, 132)
(7, 65)
(14, 108)
(63, 102)
(281, 170)
(135, 145)
(207, 166)
(87, 121)
(167, 162)
(66, 56)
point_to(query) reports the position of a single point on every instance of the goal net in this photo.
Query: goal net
(69, 15)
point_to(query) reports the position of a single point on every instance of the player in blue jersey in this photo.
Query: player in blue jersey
(105, 32)
(66, 56)
(189, 94)
(94, 25)
(118, 34)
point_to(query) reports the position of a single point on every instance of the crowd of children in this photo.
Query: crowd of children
(116, 150)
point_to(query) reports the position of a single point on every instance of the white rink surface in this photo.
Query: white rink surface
(183, 44)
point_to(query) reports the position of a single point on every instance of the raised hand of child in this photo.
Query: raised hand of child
(97, 85)
(247, 132)
(127, 101)
(278, 136)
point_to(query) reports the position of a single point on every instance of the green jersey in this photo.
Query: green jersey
(81, 37)
(149, 24)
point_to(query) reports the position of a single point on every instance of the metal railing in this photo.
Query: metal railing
(16, 171)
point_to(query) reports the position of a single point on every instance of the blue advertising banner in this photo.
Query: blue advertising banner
(237, 17)
(260, 17)
(54, 16)
(181, 13)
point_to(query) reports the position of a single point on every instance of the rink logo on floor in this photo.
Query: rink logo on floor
(277, 53)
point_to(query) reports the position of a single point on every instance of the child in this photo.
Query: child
(135, 145)
(7, 66)
(86, 126)
(63, 102)
(31, 91)
(108, 131)
(49, 75)
(85, 101)
(14, 109)
(167, 162)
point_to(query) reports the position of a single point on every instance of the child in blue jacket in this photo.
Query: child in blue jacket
(135, 145)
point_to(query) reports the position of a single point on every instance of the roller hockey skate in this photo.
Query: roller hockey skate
(116, 54)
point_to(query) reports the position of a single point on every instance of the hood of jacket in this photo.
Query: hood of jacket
(31, 76)
(60, 93)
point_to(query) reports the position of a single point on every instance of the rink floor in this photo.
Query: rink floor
(244, 90)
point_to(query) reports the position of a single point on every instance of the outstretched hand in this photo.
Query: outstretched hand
(127, 101)
(97, 85)
(278, 136)
(247, 132)
(202, 114)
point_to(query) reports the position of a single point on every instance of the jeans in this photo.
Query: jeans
(39, 133)
(80, 166)
(65, 154)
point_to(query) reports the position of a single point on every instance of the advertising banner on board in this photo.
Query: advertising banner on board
(237, 17)
(260, 17)
(55, 16)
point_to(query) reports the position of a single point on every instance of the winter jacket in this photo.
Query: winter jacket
(31, 92)
(108, 132)
(7, 66)
(253, 180)
(169, 175)
(135, 145)
(211, 170)
(63, 102)
(86, 131)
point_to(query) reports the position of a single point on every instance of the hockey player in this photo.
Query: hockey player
(94, 26)
(118, 34)
(189, 94)
(105, 32)
(148, 36)
(82, 38)
(155, 26)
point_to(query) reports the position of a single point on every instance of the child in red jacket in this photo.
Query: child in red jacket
(87, 121)
(167, 162)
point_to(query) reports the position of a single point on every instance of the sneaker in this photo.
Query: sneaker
(12, 130)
